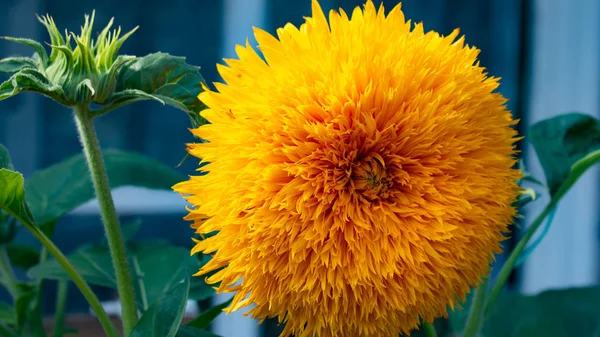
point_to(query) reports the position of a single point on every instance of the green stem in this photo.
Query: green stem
(85, 289)
(508, 266)
(61, 305)
(429, 329)
(475, 321)
(93, 154)
(8, 275)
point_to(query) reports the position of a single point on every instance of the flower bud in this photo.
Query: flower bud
(85, 68)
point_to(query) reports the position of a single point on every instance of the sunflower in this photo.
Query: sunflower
(359, 177)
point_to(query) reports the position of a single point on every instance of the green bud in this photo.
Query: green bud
(85, 68)
(81, 70)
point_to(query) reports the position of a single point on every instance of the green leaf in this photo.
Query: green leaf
(567, 146)
(555, 313)
(578, 169)
(93, 263)
(67, 185)
(189, 331)
(205, 318)
(22, 256)
(7, 313)
(5, 159)
(164, 77)
(562, 141)
(159, 266)
(31, 80)
(39, 49)
(199, 290)
(164, 316)
(11, 65)
(12, 196)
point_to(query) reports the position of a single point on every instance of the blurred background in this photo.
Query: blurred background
(545, 51)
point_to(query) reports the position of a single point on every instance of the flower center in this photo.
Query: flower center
(371, 178)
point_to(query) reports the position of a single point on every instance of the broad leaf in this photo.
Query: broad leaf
(566, 146)
(11, 65)
(156, 266)
(39, 49)
(163, 77)
(189, 331)
(31, 80)
(205, 318)
(67, 185)
(199, 290)
(577, 170)
(93, 263)
(160, 266)
(159, 263)
(556, 313)
(22, 256)
(164, 316)
(562, 141)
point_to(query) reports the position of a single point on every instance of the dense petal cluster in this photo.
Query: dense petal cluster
(360, 175)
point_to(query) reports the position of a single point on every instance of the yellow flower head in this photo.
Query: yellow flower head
(360, 177)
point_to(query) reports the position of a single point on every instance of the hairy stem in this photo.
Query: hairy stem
(91, 148)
